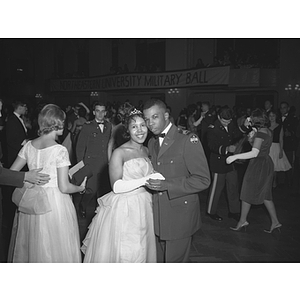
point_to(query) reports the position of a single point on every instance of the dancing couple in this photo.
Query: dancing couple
(153, 209)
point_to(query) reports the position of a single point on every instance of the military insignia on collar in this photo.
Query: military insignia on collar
(194, 139)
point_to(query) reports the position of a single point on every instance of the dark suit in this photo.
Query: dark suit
(209, 118)
(222, 173)
(182, 162)
(290, 141)
(13, 178)
(15, 135)
(91, 148)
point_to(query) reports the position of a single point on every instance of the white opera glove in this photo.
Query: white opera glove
(247, 155)
(124, 186)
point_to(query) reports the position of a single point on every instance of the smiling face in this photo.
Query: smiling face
(138, 130)
(284, 108)
(157, 119)
(272, 117)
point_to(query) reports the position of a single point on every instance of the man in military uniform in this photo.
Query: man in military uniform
(221, 139)
(180, 159)
(208, 117)
(94, 148)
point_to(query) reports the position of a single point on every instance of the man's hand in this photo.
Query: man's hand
(231, 148)
(35, 177)
(156, 185)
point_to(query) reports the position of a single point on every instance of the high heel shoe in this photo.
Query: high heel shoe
(239, 228)
(272, 229)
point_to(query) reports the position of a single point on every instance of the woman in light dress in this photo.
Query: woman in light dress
(53, 236)
(122, 230)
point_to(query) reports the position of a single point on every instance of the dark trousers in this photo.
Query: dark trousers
(173, 251)
(219, 181)
(291, 158)
(97, 185)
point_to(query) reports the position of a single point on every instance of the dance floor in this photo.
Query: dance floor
(215, 242)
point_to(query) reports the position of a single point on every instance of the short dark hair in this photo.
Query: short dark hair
(98, 103)
(154, 101)
(284, 102)
(18, 103)
(191, 109)
(225, 113)
(81, 111)
(206, 103)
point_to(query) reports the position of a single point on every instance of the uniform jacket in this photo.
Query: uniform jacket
(13, 178)
(92, 144)
(290, 142)
(182, 162)
(15, 135)
(208, 119)
(218, 139)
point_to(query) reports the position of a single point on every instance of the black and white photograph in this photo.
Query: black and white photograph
(169, 152)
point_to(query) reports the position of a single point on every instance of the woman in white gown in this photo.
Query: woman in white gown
(122, 230)
(53, 236)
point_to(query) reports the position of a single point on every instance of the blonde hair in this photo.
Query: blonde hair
(51, 118)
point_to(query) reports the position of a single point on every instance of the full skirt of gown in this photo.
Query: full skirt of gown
(281, 164)
(48, 238)
(122, 230)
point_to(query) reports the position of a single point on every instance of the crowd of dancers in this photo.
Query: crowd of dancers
(144, 169)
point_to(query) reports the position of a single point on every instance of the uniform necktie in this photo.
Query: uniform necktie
(161, 135)
(101, 125)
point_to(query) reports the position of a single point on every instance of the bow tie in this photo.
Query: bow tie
(100, 122)
(162, 135)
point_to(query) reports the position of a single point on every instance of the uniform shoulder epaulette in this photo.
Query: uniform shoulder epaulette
(194, 139)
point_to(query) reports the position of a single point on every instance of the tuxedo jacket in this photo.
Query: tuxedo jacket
(181, 160)
(289, 124)
(15, 135)
(13, 178)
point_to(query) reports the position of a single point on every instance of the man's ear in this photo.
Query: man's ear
(167, 115)
(93, 112)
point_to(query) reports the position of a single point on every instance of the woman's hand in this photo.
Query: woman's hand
(156, 175)
(83, 184)
(230, 159)
(280, 154)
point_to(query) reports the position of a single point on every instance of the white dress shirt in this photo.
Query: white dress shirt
(165, 131)
(21, 120)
